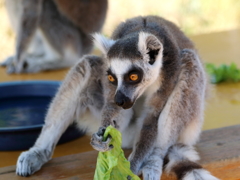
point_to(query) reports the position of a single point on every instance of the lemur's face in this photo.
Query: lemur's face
(134, 64)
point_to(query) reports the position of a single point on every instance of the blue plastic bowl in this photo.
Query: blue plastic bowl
(23, 106)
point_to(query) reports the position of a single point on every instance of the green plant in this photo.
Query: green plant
(223, 73)
(112, 165)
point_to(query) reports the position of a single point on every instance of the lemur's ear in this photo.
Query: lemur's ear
(102, 42)
(149, 46)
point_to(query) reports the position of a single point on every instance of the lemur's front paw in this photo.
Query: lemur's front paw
(98, 143)
(29, 65)
(7, 61)
(150, 168)
(151, 173)
(30, 161)
(9, 64)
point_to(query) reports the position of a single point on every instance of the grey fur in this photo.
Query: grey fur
(52, 34)
(167, 103)
(72, 102)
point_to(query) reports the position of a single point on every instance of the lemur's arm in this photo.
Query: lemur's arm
(149, 132)
(60, 115)
(111, 115)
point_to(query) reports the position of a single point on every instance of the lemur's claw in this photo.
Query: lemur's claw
(98, 143)
(101, 131)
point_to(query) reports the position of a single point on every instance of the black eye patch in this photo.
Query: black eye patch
(109, 72)
(133, 72)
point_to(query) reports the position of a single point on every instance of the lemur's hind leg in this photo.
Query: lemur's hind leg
(182, 157)
(61, 45)
(66, 106)
(26, 30)
(182, 107)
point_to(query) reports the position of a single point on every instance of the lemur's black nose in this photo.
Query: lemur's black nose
(119, 102)
(122, 100)
(119, 98)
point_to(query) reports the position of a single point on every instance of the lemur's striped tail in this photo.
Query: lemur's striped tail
(181, 160)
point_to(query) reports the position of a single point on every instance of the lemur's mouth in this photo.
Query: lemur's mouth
(123, 101)
(127, 105)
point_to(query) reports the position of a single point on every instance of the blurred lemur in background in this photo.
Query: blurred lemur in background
(52, 34)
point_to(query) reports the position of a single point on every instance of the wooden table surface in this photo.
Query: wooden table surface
(215, 145)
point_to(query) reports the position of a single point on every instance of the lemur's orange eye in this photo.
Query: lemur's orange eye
(133, 77)
(111, 78)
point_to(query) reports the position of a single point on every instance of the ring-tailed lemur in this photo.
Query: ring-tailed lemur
(52, 34)
(150, 84)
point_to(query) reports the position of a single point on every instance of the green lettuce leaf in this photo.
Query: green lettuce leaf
(112, 165)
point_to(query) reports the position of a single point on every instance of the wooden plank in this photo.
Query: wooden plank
(78, 165)
(219, 144)
(225, 170)
(215, 145)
